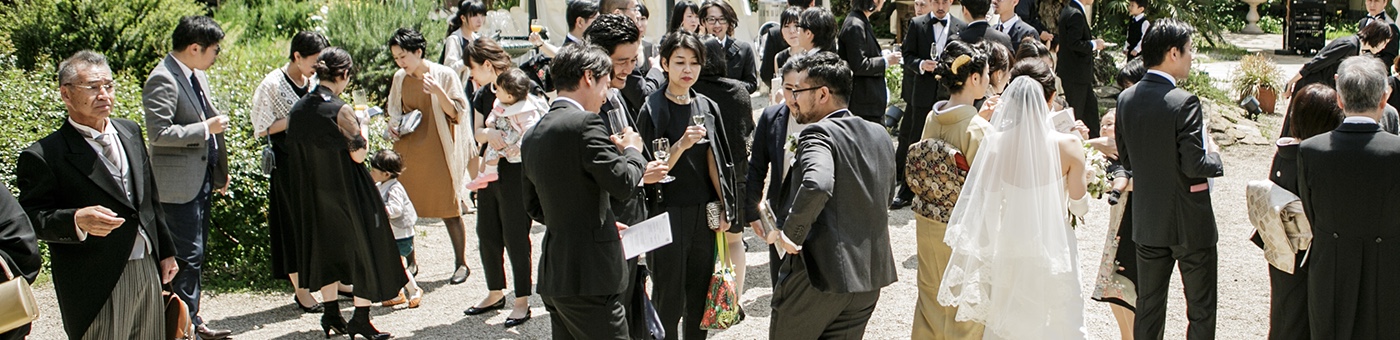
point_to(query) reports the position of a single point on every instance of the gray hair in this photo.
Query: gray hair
(68, 69)
(1362, 84)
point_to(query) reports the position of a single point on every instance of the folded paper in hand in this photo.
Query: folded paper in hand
(1063, 120)
(646, 236)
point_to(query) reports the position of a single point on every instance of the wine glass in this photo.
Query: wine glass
(617, 122)
(535, 26)
(661, 149)
(699, 120)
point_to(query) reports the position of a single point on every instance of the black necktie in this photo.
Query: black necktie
(199, 92)
(1000, 26)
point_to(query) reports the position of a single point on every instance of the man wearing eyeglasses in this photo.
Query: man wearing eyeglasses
(839, 253)
(188, 150)
(89, 192)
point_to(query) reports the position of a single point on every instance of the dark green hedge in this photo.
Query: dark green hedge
(134, 34)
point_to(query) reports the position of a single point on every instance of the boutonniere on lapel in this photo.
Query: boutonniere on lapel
(792, 143)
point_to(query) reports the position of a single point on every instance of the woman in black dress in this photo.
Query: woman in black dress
(272, 101)
(345, 235)
(737, 113)
(703, 174)
(1313, 111)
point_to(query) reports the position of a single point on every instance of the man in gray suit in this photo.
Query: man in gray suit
(188, 152)
(839, 250)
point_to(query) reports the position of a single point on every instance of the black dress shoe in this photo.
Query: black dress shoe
(315, 308)
(476, 311)
(899, 203)
(512, 322)
(460, 275)
(211, 334)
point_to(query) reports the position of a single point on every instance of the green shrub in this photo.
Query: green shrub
(259, 19)
(1209, 17)
(134, 34)
(239, 250)
(1201, 84)
(363, 28)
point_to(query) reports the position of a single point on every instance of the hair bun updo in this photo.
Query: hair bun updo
(333, 64)
(959, 61)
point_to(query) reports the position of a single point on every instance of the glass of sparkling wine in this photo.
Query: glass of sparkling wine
(699, 119)
(661, 150)
(535, 26)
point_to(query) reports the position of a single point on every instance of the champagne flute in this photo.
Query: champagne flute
(699, 120)
(616, 120)
(661, 149)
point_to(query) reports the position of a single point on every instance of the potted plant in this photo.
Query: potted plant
(1260, 77)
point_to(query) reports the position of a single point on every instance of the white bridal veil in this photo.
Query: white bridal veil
(1013, 266)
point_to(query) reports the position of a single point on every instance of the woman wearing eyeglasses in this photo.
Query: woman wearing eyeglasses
(720, 20)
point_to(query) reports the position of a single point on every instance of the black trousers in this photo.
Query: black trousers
(681, 272)
(503, 225)
(1198, 275)
(1086, 106)
(1288, 303)
(872, 112)
(911, 127)
(586, 317)
(189, 226)
(800, 311)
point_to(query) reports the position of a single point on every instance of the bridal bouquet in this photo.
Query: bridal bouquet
(1096, 178)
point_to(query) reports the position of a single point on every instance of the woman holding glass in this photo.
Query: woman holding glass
(703, 174)
(272, 101)
(435, 153)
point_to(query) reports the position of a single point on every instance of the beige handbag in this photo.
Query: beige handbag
(17, 305)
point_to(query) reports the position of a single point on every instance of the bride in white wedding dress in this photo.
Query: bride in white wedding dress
(1014, 264)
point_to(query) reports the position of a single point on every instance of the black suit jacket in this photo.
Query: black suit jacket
(741, 64)
(981, 30)
(572, 170)
(19, 250)
(1030, 15)
(857, 45)
(60, 174)
(846, 242)
(1160, 129)
(1076, 56)
(917, 47)
(1355, 255)
(771, 47)
(1323, 66)
(1020, 30)
(768, 150)
(633, 209)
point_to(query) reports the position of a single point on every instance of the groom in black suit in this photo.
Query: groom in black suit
(1075, 62)
(839, 250)
(1352, 275)
(1162, 141)
(571, 169)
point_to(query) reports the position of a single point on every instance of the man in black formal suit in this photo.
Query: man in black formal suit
(620, 38)
(1012, 24)
(858, 47)
(1375, 10)
(839, 253)
(769, 159)
(90, 194)
(572, 168)
(979, 30)
(924, 41)
(1162, 140)
(1075, 63)
(1369, 40)
(1352, 279)
(775, 44)
(906, 88)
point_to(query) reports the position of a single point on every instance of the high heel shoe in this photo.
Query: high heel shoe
(316, 308)
(479, 310)
(360, 326)
(333, 322)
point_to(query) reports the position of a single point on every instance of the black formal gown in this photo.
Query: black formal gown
(280, 229)
(1288, 293)
(345, 233)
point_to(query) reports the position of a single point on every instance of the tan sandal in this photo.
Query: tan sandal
(396, 301)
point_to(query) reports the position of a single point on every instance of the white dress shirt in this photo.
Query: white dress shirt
(120, 169)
